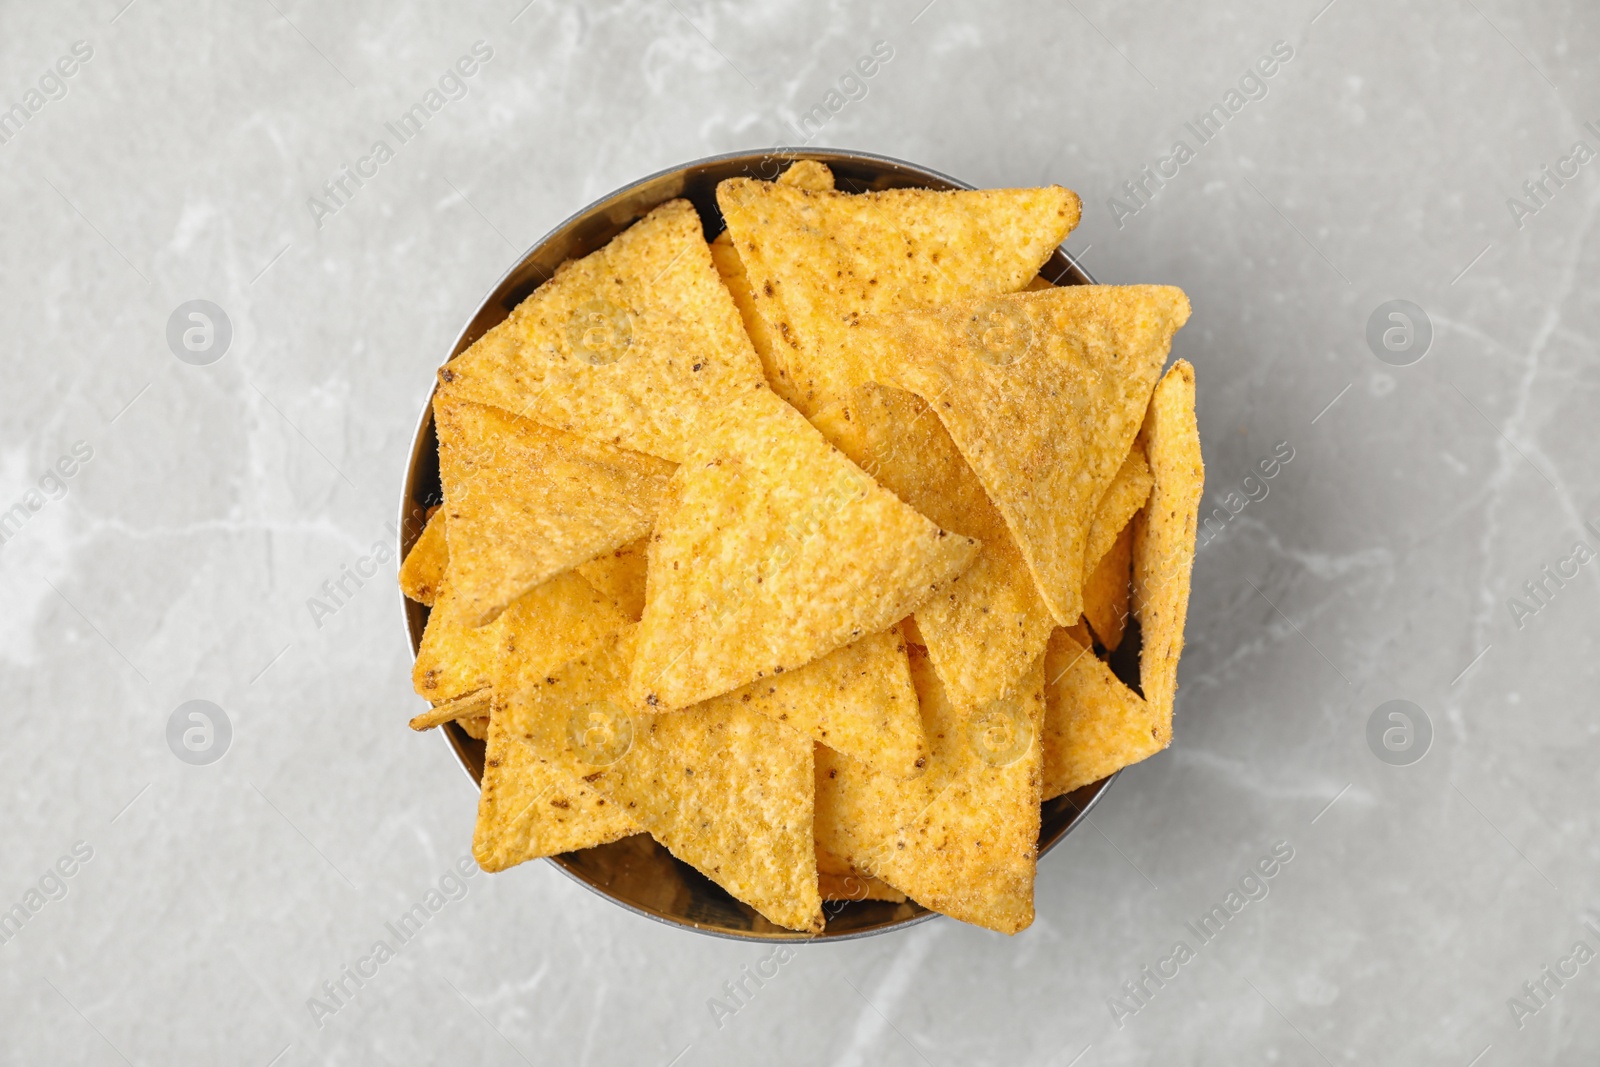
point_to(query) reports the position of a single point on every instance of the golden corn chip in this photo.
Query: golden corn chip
(857, 699)
(817, 261)
(1043, 393)
(987, 626)
(726, 258)
(962, 838)
(808, 174)
(1105, 594)
(1125, 495)
(631, 345)
(620, 575)
(524, 502)
(1079, 632)
(805, 174)
(772, 550)
(543, 628)
(534, 800)
(725, 789)
(471, 706)
(424, 565)
(1093, 724)
(454, 660)
(476, 726)
(837, 880)
(1164, 536)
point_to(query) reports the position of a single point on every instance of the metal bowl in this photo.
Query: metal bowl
(637, 873)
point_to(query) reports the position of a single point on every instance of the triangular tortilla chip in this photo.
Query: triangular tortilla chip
(1125, 495)
(805, 174)
(1043, 393)
(620, 575)
(1105, 594)
(817, 261)
(772, 550)
(543, 628)
(837, 880)
(857, 699)
(726, 790)
(808, 174)
(988, 625)
(534, 801)
(1109, 555)
(632, 345)
(1164, 535)
(424, 565)
(524, 502)
(1093, 724)
(962, 839)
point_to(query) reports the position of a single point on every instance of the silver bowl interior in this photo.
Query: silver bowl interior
(635, 872)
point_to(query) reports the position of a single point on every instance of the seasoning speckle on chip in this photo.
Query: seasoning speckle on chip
(632, 345)
(988, 624)
(1043, 393)
(819, 261)
(773, 549)
(800, 554)
(423, 568)
(524, 503)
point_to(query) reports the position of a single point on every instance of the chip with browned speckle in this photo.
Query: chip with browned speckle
(985, 627)
(1105, 593)
(1125, 495)
(771, 550)
(857, 699)
(632, 345)
(725, 789)
(961, 839)
(1164, 535)
(804, 174)
(524, 503)
(839, 881)
(1093, 724)
(620, 575)
(819, 261)
(1043, 393)
(543, 628)
(534, 801)
(424, 565)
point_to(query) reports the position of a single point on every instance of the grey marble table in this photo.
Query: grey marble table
(1433, 874)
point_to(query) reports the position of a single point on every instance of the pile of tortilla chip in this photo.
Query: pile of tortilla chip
(804, 550)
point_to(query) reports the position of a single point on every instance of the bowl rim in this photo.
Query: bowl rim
(409, 526)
